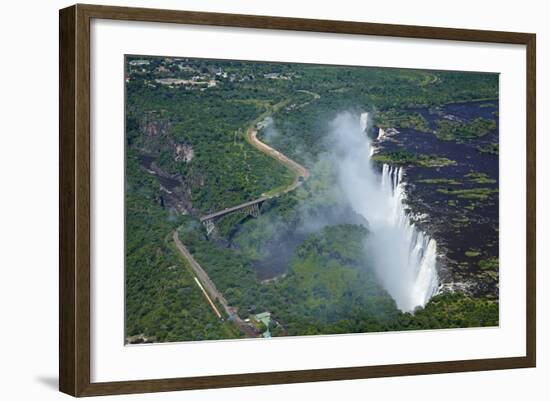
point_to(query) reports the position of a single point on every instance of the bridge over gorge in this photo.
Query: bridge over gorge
(251, 208)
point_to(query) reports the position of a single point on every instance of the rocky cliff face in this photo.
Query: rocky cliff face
(155, 143)
(174, 191)
(153, 125)
(183, 153)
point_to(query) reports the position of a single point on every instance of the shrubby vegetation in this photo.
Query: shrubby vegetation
(455, 311)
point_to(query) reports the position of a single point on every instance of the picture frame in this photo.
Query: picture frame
(75, 200)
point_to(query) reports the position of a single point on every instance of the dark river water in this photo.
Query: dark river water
(459, 225)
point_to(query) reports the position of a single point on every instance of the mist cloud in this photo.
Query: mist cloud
(404, 258)
(345, 187)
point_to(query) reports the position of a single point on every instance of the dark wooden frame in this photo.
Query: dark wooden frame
(74, 199)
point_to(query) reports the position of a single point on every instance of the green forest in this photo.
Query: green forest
(187, 155)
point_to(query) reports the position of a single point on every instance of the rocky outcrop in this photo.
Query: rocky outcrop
(175, 190)
(183, 153)
(140, 339)
(154, 125)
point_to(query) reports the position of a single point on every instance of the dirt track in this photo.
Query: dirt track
(298, 169)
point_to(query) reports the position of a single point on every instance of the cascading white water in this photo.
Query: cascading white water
(404, 257)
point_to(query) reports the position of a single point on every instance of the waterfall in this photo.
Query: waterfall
(404, 257)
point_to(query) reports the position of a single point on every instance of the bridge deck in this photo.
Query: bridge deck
(232, 209)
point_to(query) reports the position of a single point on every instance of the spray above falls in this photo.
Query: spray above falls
(404, 258)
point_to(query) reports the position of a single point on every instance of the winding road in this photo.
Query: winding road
(301, 174)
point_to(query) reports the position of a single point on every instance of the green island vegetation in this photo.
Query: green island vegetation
(488, 270)
(454, 130)
(472, 253)
(471, 193)
(491, 148)
(438, 181)
(488, 264)
(407, 158)
(473, 177)
(480, 178)
(187, 155)
(401, 119)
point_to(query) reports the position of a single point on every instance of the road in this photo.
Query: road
(301, 174)
(297, 169)
(211, 289)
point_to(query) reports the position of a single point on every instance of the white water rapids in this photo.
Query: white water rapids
(404, 258)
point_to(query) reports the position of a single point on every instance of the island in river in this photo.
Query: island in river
(255, 191)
